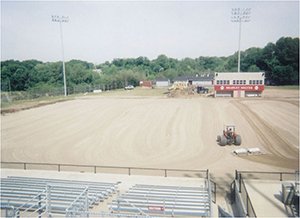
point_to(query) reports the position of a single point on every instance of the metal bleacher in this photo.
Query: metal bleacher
(29, 195)
(164, 201)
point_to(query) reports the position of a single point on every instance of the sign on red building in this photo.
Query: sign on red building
(239, 87)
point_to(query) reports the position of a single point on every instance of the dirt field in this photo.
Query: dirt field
(159, 132)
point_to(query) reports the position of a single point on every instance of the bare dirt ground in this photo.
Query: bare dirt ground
(157, 132)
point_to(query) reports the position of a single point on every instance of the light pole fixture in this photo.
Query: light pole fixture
(62, 19)
(240, 15)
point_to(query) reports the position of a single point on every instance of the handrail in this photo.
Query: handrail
(280, 174)
(133, 206)
(30, 200)
(248, 199)
(239, 176)
(209, 196)
(59, 165)
(84, 192)
(33, 204)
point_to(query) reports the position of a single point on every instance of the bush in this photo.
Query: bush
(44, 89)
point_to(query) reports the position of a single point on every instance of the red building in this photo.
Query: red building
(239, 84)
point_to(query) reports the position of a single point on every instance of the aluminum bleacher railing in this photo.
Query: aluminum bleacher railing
(96, 168)
(241, 176)
(164, 201)
(28, 196)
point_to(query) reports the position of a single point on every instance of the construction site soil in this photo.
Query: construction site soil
(158, 132)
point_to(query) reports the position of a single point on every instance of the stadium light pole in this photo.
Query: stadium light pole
(62, 19)
(240, 15)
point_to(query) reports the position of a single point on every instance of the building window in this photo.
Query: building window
(244, 82)
(233, 82)
(228, 82)
(260, 82)
(250, 82)
(257, 81)
(217, 82)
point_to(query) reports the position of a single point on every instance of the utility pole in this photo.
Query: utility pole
(240, 15)
(62, 19)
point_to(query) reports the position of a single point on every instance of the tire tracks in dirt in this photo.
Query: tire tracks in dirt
(282, 152)
(292, 101)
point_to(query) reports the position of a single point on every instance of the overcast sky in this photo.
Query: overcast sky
(100, 31)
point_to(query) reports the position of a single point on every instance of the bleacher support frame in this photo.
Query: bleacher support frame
(161, 200)
(29, 196)
(73, 211)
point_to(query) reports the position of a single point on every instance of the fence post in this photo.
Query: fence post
(86, 202)
(58, 167)
(247, 206)
(215, 185)
(40, 211)
(129, 171)
(48, 200)
(24, 166)
(166, 173)
(240, 183)
(280, 176)
(95, 169)
(18, 213)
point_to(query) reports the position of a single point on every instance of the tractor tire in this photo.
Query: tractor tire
(238, 140)
(223, 141)
(218, 138)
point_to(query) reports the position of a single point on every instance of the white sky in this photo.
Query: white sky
(100, 31)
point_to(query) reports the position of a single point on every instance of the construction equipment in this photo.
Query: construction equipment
(229, 136)
(202, 90)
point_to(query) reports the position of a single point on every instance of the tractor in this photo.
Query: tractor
(229, 136)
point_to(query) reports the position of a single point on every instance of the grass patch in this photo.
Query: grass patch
(18, 105)
(287, 87)
(24, 104)
(138, 91)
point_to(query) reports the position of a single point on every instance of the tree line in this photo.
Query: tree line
(279, 61)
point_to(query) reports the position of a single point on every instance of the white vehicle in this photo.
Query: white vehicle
(130, 87)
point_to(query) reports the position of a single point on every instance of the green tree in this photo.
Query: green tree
(280, 61)
(249, 59)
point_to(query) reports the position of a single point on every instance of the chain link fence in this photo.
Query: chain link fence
(47, 91)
